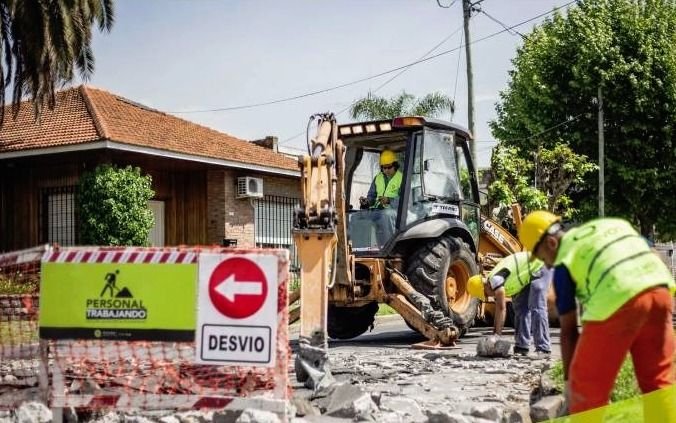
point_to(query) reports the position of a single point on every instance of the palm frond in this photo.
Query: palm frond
(433, 105)
(42, 41)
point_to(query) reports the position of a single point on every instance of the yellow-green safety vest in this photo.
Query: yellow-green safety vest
(389, 190)
(610, 264)
(521, 271)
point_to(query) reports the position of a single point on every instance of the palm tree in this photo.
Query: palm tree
(42, 42)
(404, 104)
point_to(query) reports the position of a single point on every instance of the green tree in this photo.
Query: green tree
(510, 183)
(626, 47)
(404, 104)
(113, 206)
(43, 41)
(541, 182)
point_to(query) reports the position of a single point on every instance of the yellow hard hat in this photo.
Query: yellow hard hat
(534, 226)
(387, 157)
(475, 287)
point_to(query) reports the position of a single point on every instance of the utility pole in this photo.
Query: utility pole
(602, 181)
(467, 7)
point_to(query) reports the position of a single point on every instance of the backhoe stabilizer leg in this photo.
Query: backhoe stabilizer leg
(417, 310)
(315, 251)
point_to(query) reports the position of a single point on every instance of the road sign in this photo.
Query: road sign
(237, 309)
(237, 287)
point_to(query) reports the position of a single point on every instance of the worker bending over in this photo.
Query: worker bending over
(527, 282)
(626, 292)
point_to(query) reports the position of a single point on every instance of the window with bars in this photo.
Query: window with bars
(273, 221)
(58, 219)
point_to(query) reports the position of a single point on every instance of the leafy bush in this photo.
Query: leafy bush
(114, 206)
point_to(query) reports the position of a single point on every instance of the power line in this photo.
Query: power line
(551, 128)
(510, 30)
(368, 78)
(386, 82)
(446, 7)
(457, 69)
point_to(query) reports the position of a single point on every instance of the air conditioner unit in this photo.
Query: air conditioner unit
(248, 187)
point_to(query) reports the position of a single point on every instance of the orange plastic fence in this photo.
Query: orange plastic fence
(19, 345)
(136, 375)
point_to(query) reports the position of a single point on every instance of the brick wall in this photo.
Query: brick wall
(230, 217)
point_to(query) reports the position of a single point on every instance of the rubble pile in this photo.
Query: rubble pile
(417, 386)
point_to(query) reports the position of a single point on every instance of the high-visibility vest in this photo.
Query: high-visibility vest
(521, 271)
(389, 189)
(610, 264)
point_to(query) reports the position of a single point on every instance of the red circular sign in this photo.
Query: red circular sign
(237, 288)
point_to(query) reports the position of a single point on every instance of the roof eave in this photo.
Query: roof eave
(114, 145)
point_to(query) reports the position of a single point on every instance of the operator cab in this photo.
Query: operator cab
(437, 182)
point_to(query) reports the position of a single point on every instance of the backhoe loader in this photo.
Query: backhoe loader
(415, 255)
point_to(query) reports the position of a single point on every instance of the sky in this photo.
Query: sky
(183, 56)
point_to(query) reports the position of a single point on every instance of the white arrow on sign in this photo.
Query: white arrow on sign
(231, 287)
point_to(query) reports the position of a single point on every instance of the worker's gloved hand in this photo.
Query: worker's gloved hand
(364, 203)
(384, 201)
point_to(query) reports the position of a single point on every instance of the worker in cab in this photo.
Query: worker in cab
(527, 282)
(626, 292)
(385, 188)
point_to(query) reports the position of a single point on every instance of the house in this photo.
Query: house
(210, 187)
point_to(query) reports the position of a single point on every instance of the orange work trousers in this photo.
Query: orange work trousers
(643, 327)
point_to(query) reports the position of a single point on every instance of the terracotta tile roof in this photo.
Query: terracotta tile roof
(84, 114)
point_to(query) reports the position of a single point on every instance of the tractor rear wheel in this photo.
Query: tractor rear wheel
(350, 322)
(440, 270)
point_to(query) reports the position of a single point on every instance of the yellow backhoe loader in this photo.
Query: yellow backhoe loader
(415, 254)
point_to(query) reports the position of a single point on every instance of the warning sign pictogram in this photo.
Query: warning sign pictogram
(238, 288)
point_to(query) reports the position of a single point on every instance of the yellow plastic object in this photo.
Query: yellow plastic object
(475, 287)
(534, 226)
(387, 157)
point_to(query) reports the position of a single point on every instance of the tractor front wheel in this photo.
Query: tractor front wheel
(440, 270)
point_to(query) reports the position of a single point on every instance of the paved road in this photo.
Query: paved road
(391, 332)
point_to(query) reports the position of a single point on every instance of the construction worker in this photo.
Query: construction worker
(626, 292)
(527, 282)
(384, 190)
(383, 197)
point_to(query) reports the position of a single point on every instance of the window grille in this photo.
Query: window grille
(58, 216)
(273, 221)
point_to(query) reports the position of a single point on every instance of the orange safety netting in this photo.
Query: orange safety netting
(95, 374)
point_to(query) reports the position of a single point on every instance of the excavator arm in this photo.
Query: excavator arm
(320, 236)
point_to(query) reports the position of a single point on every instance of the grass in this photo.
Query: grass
(625, 384)
(384, 310)
(294, 283)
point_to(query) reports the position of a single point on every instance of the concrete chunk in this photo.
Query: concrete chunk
(406, 407)
(547, 408)
(251, 415)
(493, 346)
(33, 412)
(517, 415)
(351, 402)
(444, 417)
(487, 411)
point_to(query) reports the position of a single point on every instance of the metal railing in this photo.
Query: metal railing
(273, 224)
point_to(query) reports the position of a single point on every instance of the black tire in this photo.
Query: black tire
(350, 322)
(440, 270)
